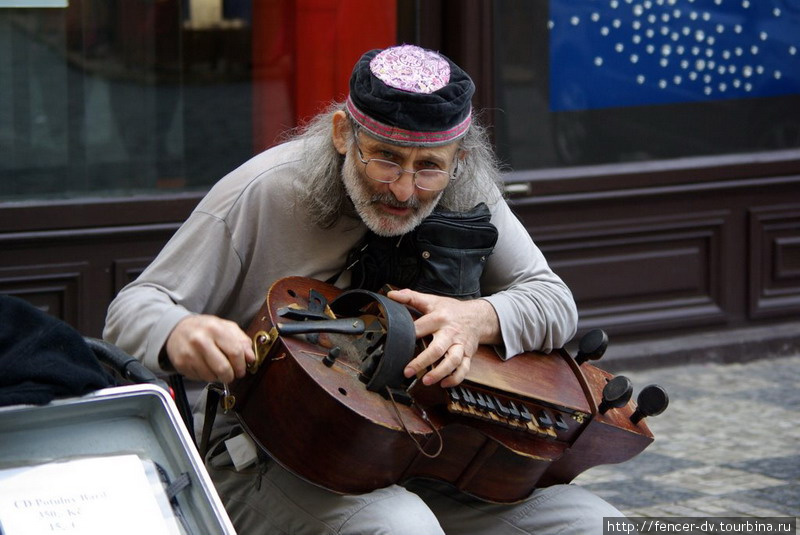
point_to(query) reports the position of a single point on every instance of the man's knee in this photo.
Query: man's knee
(570, 509)
(275, 501)
(394, 510)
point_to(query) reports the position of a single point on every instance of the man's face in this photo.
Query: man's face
(393, 209)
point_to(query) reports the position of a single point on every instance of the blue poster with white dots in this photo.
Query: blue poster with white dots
(621, 53)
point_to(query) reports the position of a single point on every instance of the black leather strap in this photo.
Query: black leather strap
(399, 337)
(212, 402)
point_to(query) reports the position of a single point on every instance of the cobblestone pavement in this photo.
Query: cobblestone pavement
(728, 445)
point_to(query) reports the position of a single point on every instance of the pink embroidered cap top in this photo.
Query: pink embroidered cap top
(411, 68)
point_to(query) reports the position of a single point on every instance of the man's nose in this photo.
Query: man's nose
(403, 188)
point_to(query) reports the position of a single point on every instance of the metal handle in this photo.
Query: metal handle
(341, 326)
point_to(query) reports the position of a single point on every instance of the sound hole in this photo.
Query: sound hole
(342, 391)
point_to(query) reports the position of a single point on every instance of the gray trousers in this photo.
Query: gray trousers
(267, 499)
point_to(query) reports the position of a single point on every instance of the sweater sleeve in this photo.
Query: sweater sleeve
(193, 273)
(535, 308)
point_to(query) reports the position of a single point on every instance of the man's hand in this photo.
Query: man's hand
(209, 348)
(458, 327)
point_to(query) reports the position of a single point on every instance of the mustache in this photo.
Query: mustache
(390, 200)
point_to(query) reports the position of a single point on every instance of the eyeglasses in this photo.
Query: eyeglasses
(387, 172)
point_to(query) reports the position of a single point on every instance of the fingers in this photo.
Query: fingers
(435, 311)
(451, 365)
(453, 343)
(451, 369)
(209, 348)
(420, 301)
(458, 375)
(404, 296)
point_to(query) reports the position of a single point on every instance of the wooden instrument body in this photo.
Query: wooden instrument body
(321, 423)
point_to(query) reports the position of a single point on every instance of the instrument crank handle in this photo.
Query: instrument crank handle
(340, 326)
(301, 314)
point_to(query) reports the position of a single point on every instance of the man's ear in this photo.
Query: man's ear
(340, 131)
(461, 157)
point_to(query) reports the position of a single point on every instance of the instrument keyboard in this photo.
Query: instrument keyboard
(526, 416)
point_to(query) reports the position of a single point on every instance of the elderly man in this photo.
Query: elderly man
(372, 168)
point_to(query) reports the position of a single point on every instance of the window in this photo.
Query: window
(608, 81)
(111, 97)
(128, 97)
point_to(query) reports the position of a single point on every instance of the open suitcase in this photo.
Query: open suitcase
(91, 441)
(138, 421)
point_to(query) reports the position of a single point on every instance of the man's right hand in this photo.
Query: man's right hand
(208, 348)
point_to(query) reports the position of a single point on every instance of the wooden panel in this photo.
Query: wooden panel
(775, 261)
(55, 288)
(633, 275)
(126, 270)
(73, 274)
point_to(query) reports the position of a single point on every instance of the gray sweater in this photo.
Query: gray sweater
(249, 231)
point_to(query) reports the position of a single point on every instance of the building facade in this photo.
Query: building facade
(652, 146)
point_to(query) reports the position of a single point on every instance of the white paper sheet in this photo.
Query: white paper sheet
(87, 496)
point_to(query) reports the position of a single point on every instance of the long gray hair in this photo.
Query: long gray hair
(324, 196)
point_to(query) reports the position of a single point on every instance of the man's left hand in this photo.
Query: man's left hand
(458, 328)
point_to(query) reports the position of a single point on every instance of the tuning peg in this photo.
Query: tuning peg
(616, 393)
(332, 355)
(652, 401)
(592, 346)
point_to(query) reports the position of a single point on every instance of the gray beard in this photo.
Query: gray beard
(365, 203)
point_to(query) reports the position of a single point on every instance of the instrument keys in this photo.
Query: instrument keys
(559, 423)
(502, 409)
(467, 396)
(544, 419)
(515, 415)
(454, 396)
(490, 406)
(524, 414)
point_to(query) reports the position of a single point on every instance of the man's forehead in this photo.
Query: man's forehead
(441, 151)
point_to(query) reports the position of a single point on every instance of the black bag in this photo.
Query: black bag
(444, 255)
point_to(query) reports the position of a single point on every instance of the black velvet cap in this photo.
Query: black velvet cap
(409, 95)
